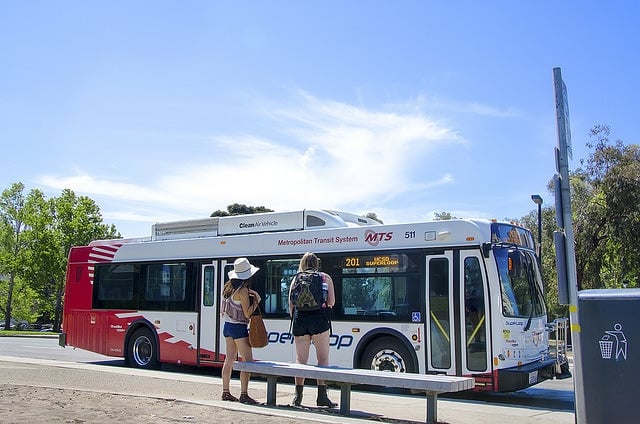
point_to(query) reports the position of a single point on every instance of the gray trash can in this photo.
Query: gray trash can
(610, 350)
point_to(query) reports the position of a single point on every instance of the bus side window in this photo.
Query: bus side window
(277, 280)
(259, 281)
(359, 295)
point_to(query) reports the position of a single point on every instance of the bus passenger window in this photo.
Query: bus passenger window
(279, 274)
(377, 287)
(114, 283)
(362, 296)
(166, 282)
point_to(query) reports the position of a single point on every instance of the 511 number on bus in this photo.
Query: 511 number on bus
(410, 234)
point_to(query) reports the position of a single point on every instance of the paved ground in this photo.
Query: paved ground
(42, 391)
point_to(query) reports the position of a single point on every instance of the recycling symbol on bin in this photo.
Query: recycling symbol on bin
(613, 344)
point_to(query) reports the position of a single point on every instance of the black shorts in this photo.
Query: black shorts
(310, 323)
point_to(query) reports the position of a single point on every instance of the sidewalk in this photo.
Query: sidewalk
(101, 393)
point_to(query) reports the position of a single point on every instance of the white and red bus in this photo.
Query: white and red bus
(458, 297)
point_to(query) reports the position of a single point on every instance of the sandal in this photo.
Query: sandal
(245, 398)
(229, 397)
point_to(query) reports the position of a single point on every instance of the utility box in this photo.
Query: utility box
(610, 350)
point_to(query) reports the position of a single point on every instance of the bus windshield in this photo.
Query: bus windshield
(519, 282)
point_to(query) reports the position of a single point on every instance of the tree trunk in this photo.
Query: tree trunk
(57, 318)
(7, 310)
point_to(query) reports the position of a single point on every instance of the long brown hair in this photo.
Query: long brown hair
(234, 284)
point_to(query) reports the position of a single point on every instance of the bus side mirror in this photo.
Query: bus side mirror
(515, 266)
(486, 250)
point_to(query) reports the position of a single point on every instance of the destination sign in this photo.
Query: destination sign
(374, 261)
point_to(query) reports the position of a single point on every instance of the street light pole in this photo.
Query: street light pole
(538, 201)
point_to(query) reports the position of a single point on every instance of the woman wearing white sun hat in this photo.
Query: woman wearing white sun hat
(238, 304)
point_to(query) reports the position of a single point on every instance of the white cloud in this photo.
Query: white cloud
(470, 107)
(84, 183)
(334, 155)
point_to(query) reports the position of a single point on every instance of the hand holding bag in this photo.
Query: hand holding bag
(257, 330)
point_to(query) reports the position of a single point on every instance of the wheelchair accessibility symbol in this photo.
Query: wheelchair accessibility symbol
(415, 317)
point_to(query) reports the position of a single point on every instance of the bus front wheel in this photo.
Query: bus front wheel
(387, 354)
(142, 350)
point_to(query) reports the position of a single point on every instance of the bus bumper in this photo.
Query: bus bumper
(517, 378)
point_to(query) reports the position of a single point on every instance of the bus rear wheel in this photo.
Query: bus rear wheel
(142, 351)
(387, 354)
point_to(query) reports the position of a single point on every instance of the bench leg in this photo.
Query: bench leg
(345, 399)
(432, 409)
(271, 390)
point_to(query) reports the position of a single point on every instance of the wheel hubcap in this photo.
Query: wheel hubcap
(142, 351)
(388, 360)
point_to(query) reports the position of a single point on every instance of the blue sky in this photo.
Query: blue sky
(164, 110)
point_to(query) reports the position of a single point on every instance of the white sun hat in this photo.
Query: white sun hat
(242, 269)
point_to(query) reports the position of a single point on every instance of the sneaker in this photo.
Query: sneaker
(245, 398)
(229, 397)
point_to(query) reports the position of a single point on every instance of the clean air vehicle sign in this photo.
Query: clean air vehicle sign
(257, 223)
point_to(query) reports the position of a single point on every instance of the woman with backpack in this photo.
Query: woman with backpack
(311, 297)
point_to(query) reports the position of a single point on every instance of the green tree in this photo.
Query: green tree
(605, 203)
(36, 235)
(77, 222)
(25, 302)
(374, 216)
(12, 215)
(42, 251)
(238, 209)
(443, 216)
(607, 213)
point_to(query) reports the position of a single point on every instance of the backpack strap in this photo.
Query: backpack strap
(293, 312)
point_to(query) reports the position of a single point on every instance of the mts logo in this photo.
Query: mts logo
(374, 238)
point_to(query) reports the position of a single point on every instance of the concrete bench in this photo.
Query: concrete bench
(431, 385)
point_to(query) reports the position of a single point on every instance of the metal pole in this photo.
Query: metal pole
(563, 154)
(540, 232)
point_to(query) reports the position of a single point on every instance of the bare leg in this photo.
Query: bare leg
(303, 343)
(247, 356)
(321, 343)
(227, 367)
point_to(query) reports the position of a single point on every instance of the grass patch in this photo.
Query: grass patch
(13, 333)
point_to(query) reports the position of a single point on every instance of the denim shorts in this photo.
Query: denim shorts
(235, 331)
(310, 323)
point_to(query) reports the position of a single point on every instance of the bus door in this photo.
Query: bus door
(473, 313)
(457, 321)
(441, 339)
(209, 347)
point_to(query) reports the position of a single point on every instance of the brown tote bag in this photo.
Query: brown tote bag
(257, 330)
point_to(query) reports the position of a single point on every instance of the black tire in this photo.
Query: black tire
(142, 351)
(388, 354)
